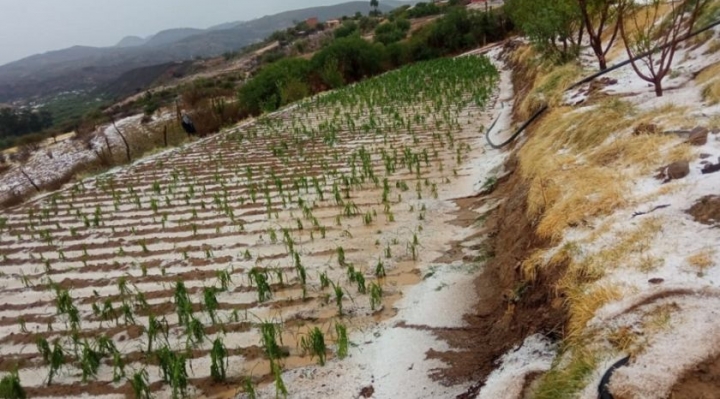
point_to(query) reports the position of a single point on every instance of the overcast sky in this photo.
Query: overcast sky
(30, 27)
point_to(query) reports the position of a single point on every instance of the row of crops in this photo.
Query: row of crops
(222, 264)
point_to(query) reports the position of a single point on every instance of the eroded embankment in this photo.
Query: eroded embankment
(510, 308)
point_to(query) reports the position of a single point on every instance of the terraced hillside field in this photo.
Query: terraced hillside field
(218, 265)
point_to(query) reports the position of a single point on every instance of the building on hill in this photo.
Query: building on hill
(332, 23)
(312, 23)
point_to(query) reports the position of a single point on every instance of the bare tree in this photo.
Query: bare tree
(600, 17)
(656, 35)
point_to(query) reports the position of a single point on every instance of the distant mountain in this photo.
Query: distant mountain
(86, 68)
(131, 41)
(171, 36)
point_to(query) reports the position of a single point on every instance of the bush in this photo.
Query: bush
(423, 10)
(356, 58)
(264, 92)
(392, 32)
(346, 29)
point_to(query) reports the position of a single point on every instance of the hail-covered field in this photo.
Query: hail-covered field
(221, 264)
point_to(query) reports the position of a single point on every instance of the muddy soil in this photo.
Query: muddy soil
(703, 382)
(509, 309)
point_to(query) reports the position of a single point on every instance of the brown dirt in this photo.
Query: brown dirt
(707, 210)
(702, 382)
(499, 323)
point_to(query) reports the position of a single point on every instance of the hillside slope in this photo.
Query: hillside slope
(83, 68)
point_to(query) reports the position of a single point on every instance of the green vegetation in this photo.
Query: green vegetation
(10, 387)
(314, 343)
(16, 123)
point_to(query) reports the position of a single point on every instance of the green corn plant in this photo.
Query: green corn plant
(195, 331)
(342, 340)
(211, 302)
(341, 256)
(89, 362)
(380, 270)
(164, 357)
(314, 343)
(140, 385)
(360, 280)
(224, 278)
(218, 358)
(324, 280)
(339, 294)
(21, 321)
(375, 296)
(10, 386)
(261, 282)
(270, 333)
(44, 349)
(154, 328)
(118, 367)
(56, 361)
(280, 388)
(127, 313)
(249, 388)
(183, 305)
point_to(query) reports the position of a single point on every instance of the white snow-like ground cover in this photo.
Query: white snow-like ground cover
(392, 358)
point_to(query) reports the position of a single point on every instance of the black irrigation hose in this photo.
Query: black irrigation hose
(517, 133)
(603, 388)
(591, 78)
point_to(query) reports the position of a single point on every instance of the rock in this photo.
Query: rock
(646, 128)
(705, 156)
(698, 136)
(656, 280)
(674, 171)
(711, 168)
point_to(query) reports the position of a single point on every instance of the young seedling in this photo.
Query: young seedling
(211, 302)
(249, 388)
(339, 293)
(57, 360)
(10, 386)
(380, 270)
(140, 385)
(315, 344)
(89, 362)
(375, 296)
(270, 333)
(280, 389)
(260, 279)
(342, 340)
(218, 358)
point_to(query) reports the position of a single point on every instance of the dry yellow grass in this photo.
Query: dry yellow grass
(583, 301)
(548, 87)
(710, 78)
(702, 260)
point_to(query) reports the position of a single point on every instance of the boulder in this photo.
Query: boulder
(674, 171)
(698, 136)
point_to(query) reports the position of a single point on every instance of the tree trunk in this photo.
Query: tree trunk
(602, 61)
(127, 146)
(658, 87)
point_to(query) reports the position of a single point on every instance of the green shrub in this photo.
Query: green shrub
(265, 91)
